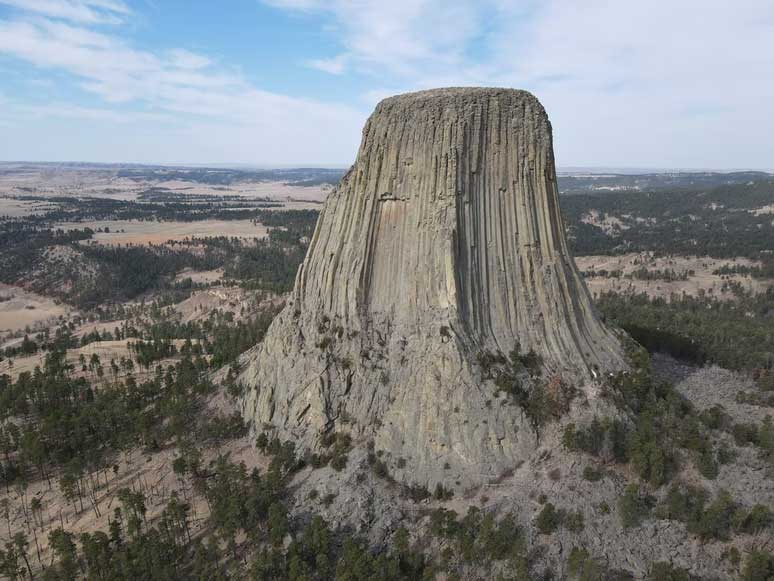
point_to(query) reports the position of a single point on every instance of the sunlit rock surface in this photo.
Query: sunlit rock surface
(443, 241)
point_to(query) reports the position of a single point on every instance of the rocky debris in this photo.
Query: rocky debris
(714, 386)
(442, 242)
(356, 500)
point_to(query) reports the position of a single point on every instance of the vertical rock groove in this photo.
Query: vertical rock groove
(443, 240)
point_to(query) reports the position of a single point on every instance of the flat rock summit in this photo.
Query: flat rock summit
(442, 248)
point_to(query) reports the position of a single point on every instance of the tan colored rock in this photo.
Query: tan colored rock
(444, 240)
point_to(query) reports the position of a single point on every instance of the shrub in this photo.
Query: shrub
(601, 438)
(663, 571)
(416, 493)
(379, 467)
(581, 566)
(706, 463)
(442, 493)
(715, 418)
(574, 521)
(548, 519)
(478, 536)
(745, 434)
(338, 444)
(518, 376)
(757, 519)
(633, 507)
(576, 560)
(715, 520)
(759, 566)
(684, 504)
(592, 474)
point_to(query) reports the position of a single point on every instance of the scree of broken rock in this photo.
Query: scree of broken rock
(442, 245)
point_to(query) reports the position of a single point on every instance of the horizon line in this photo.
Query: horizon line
(595, 169)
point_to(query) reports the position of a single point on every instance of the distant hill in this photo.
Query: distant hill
(577, 182)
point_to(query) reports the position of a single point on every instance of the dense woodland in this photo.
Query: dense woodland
(734, 334)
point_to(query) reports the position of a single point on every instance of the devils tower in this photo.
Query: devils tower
(444, 241)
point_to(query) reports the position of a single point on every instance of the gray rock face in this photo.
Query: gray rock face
(444, 240)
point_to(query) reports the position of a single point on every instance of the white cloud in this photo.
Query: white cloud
(68, 111)
(659, 83)
(335, 66)
(626, 83)
(183, 88)
(400, 35)
(82, 11)
(652, 82)
(184, 59)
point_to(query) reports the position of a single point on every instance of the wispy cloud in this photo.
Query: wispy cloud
(652, 82)
(174, 84)
(83, 11)
(403, 36)
(68, 111)
(335, 66)
(657, 82)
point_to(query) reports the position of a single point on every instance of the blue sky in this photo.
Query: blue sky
(686, 84)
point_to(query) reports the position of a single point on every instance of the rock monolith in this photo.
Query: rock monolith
(443, 242)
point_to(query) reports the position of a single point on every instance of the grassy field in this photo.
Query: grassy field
(138, 232)
(698, 270)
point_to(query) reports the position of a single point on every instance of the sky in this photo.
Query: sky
(270, 83)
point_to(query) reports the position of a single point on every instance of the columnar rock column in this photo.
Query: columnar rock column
(444, 240)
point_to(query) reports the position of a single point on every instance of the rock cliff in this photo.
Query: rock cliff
(443, 242)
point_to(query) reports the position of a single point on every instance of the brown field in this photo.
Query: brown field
(138, 232)
(26, 309)
(701, 281)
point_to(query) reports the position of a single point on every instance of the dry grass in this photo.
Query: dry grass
(20, 208)
(105, 350)
(702, 279)
(137, 232)
(150, 473)
(26, 309)
(200, 276)
(93, 182)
